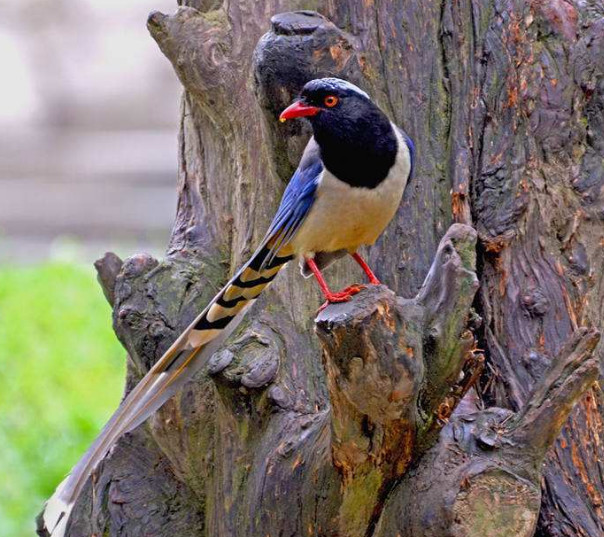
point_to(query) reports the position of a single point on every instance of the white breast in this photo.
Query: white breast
(345, 217)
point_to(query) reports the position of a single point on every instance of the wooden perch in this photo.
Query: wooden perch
(389, 364)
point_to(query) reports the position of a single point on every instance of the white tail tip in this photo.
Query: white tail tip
(56, 513)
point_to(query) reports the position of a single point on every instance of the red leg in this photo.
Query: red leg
(372, 277)
(342, 296)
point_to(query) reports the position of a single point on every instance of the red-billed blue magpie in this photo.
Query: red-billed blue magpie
(347, 188)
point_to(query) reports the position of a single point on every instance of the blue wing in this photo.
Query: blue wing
(295, 204)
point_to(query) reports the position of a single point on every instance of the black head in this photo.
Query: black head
(356, 139)
(328, 99)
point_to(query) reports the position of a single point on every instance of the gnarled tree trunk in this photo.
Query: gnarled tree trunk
(360, 431)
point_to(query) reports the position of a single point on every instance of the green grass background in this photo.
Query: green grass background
(61, 375)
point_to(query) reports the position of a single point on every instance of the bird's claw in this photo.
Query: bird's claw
(341, 296)
(352, 290)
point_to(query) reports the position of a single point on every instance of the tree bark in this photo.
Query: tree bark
(502, 221)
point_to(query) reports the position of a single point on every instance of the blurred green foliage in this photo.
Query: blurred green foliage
(61, 375)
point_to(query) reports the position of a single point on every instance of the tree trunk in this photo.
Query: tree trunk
(360, 431)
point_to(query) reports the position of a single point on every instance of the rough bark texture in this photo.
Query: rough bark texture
(505, 102)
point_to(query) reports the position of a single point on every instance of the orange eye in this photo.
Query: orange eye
(331, 101)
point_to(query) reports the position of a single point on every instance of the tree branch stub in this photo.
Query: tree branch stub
(483, 477)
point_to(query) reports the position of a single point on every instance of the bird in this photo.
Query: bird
(347, 188)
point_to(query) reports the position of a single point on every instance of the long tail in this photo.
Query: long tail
(189, 353)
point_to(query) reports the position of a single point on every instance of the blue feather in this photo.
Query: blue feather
(295, 204)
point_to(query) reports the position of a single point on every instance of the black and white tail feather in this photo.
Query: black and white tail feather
(187, 355)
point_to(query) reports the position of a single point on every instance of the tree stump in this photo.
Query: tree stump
(384, 435)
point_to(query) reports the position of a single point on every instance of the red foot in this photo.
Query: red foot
(353, 289)
(342, 296)
(372, 277)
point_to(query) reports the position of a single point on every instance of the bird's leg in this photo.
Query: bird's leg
(331, 297)
(372, 277)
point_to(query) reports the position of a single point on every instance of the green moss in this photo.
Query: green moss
(359, 501)
(216, 17)
(467, 254)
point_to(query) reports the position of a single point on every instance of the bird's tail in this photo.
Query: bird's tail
(189, 353)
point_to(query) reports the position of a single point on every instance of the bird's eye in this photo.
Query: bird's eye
(331, 101)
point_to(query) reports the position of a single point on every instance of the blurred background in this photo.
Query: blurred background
(88, 125)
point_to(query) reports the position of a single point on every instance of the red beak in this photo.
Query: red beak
(298, 109)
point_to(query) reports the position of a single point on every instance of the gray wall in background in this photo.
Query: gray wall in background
(88, 111)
